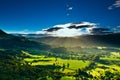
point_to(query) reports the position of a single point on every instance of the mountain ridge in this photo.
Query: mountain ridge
(9, 41)
(112, 40)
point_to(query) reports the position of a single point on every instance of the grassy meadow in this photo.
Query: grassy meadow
(102, 65)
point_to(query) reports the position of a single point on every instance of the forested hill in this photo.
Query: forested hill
(8, 41)
(110, 40)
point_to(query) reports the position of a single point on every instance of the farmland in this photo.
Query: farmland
(90, 66)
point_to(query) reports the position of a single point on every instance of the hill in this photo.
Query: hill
(111, 40)
(8, 41)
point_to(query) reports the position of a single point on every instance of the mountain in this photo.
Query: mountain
(73, 35)
(4, 35)
(30, 35)
(111, 40)
(8, 41)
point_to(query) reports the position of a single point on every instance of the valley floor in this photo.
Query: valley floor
(24, 65)
(98, 66)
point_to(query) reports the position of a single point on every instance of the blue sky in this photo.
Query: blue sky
(34, 15)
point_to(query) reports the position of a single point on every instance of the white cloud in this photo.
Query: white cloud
(40, 32)
(70, 8)
(115, 5)
(25, 31)
(86, 23)
(89, 29)
(63, 25)
(116, 29)
(65, 31)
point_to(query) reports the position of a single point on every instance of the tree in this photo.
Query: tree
(63, 68)
(68, 65)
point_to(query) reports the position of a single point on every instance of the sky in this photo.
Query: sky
(36, 15)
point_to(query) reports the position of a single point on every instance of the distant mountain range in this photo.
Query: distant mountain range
(82, 34)
(58, 44)
(111, 40)
(30, 35)
(8, 41)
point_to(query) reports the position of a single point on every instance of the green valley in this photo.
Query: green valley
(25, 59)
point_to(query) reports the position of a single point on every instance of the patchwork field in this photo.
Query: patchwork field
(98, 66)
(71, 65)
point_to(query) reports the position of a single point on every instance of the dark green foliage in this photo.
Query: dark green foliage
(56, 75)
(12, 67)
(63, 67)
(59, 50)
(8, 41)
(112, 40)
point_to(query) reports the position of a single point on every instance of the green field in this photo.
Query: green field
(102, 64)
(42, 60)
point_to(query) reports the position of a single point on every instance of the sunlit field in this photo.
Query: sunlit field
(99, 65)
(42, 60)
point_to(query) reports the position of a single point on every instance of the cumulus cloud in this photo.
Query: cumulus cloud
(63, 25)
(115, 5)
(100, 31)
(69, 29)
(52, 29)
(116, 29)
(82, 25)
(75, 29)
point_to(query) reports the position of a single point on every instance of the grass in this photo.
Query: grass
(67, 78)
(74, 64)
(114, 56)
(97, 72)
(102, 68)
(99, 69)
(42, 60)
(110, 59)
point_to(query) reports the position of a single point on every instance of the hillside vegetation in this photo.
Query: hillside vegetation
(23, 59)
(82, 41)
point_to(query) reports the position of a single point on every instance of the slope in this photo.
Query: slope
(8, 41)
(111, 40)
